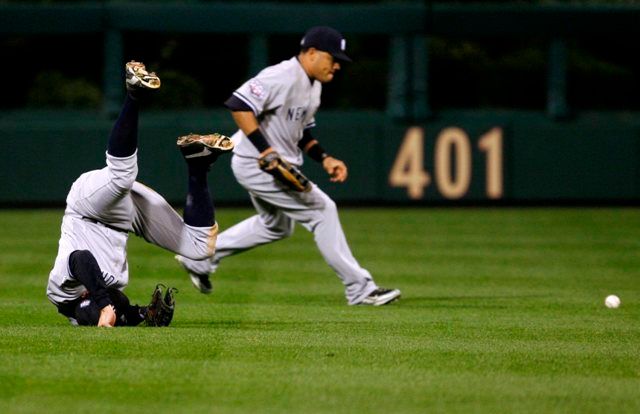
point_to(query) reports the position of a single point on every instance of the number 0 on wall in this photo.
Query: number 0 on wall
(452, 161)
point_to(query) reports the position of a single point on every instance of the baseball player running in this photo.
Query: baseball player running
(104, 206)
(275, 113)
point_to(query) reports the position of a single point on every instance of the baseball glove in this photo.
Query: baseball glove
(284, 172)
(160, 310)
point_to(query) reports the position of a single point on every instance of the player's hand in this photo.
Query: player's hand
(336, 169)
(282, 171)
(107, 317)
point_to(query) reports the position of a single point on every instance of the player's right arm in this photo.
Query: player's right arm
(246, 120)
(256, 96)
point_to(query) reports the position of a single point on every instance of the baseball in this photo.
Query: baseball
(612, 301)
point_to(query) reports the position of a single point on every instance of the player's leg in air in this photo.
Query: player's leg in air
(269, 225)
(193, 235)
(91, 267)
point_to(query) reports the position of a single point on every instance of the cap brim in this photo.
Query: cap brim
(341, 56)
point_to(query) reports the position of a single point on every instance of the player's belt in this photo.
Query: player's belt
(94, 221)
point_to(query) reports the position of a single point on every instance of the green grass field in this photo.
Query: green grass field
(502, 311)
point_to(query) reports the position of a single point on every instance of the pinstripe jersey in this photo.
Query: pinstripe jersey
(284, 100)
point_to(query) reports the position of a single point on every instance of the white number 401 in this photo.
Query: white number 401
(452, 146)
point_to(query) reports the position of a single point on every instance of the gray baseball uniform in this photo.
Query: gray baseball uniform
(285, 100)
(103, 206)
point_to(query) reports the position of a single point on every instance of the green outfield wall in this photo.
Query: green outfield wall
(408, 152)
(455, 157)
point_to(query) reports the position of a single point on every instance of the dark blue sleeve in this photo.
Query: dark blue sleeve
(236, 104)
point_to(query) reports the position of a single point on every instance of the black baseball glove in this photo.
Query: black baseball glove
(284, 172)
(160, 310)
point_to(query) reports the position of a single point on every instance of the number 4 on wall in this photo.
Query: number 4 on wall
(408, 168)
(452, 146)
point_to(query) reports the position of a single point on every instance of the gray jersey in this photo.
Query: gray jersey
(284, 100)
(102, 201)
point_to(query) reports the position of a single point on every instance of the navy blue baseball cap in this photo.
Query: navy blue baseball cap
(328, 40)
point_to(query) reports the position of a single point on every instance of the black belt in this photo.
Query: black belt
(94, 221)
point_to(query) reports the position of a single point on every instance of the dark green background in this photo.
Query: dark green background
(593, 157)
(560, 79)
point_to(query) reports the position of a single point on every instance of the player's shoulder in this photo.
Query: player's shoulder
(273, 80)
(281, 71)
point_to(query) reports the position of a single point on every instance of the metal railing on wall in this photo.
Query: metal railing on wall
(408, 26)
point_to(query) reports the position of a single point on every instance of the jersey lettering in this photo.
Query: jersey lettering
(109, 279)
(296, 114)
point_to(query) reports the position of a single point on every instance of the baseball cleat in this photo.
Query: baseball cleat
(200, 282)
(204, 148)
(138, 77)
(381, 296)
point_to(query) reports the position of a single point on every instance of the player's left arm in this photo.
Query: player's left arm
(336, 169)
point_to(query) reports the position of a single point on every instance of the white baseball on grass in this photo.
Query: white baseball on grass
(612, 301)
